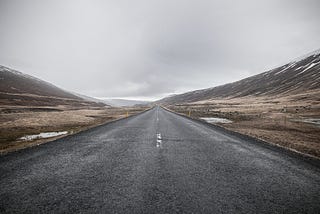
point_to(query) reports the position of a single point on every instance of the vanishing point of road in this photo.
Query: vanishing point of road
(157, 162)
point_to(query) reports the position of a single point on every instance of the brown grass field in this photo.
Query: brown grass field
(282, 121)
(18, 121)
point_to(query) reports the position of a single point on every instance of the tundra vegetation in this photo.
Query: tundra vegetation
(288, 121)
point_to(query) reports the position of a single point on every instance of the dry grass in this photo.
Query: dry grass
(18, 121)
(274, 119)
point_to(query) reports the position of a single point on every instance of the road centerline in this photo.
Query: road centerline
(159, 140)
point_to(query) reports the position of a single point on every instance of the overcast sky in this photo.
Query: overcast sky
(151, 48)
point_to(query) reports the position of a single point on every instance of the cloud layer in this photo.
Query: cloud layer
(150, 49)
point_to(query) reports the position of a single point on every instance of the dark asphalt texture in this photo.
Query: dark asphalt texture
(124, 167)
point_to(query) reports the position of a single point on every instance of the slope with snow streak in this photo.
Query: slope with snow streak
(16, 82)
(295, 77)
(19, 89)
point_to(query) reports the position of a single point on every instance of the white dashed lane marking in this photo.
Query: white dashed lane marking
(159, 140)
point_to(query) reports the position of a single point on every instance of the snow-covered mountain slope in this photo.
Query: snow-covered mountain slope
(298, 76)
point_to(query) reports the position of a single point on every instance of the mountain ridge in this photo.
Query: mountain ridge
(18, 88)
(124, 102)
(296, 76)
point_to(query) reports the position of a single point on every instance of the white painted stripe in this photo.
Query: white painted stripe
(159, 140)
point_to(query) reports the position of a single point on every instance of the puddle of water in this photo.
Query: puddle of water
(215, 120)
(42, 135)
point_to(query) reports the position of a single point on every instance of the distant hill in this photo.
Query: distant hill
(298, 76)
(91, 99)
(124, 102)
(17, 88)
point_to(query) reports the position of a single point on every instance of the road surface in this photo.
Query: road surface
(157, 162)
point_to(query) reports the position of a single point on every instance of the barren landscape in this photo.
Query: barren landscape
(160, 106)
(280, 106)
(291, 121)
(30, 107)
(17, 122)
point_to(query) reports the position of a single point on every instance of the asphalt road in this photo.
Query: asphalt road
(157, 162)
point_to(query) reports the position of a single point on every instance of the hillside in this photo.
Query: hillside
(295, 77)
(17, 88)
(280, 106)
(33, 111)
(124, 102)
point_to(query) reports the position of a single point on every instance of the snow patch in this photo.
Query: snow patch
(42, 135)
(216, 120)
(310, 66)
(299, 68)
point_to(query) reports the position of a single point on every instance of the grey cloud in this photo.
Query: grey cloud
(153, 48)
